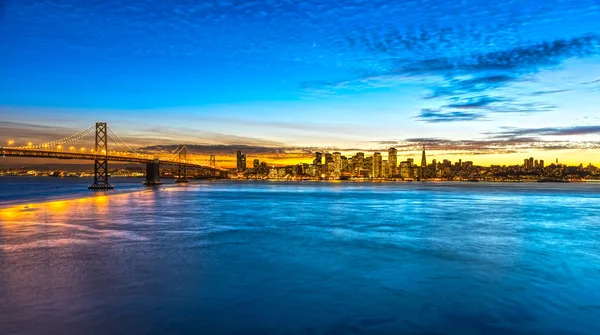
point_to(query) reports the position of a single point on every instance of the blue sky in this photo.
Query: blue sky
(494, 79)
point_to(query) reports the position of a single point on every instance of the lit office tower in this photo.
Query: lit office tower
(385, 169)
(392, 161)
(541, 163)
(531, 163)
(526, 163)
(423, 159)
(337, 164)
(256, 163)
(328, 158)
(369, 165)
(318, 158)
(377, 162)
(328, 165)
(241, 161)
(359, 162)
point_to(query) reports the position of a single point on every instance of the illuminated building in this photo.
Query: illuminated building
(392, 161)
(241, 161)
(368, 166)
(421, 173)
(404, 169)
(345, 164)
(337, 164)
(377, 162)
(359, 162)
(318, 158)
(385, 169)
(256, 163)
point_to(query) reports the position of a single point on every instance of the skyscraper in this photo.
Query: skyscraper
(377, 165)
(241, 161)
(359, 162)
(328, 158)
(392, 161)
(337, 164)
(422, 170)
(318, 158)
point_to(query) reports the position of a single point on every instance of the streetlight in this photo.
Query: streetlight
(11, 142)
(29, 144)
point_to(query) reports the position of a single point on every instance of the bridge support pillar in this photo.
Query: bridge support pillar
(101, 164)
(153, 173)
(182, 167)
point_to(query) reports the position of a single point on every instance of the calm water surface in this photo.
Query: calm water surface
(299, 258)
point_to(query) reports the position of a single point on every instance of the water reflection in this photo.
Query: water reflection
(222, 258)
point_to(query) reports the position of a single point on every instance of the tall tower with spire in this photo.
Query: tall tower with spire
(423, 163)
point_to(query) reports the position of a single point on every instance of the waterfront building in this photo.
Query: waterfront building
(385, 169)
(241, 161)
(404, 169)
(392, 161)
(359, 162)
(368, 166)
(377, 165)
(318, 158)
(337, 164)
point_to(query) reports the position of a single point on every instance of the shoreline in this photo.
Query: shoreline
(358, 180)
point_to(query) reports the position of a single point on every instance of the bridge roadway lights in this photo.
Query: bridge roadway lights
(153, 173)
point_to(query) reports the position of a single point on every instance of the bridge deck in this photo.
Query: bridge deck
(17, 152)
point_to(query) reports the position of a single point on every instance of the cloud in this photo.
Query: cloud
(549, 92)
(591, 82)
(475, 102)
(481, 81)
(548, 131)
(522, 58)
(436, 116)
(22, 133)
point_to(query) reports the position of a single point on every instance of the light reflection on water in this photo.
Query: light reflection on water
(308, 258)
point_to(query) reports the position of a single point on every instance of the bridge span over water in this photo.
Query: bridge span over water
(93, 144)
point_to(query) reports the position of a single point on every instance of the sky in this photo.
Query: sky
(489, 81)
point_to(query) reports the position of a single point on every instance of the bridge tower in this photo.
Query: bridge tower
(182, 167)
(101, 163)
(153, 173)
(212, 162)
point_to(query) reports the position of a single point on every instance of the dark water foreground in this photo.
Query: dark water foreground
(303, 258)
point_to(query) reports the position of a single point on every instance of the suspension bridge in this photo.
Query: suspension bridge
(93, 144)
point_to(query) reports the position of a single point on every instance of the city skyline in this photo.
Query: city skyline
(487, 82)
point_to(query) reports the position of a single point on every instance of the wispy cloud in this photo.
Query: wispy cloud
(547, 131)
(476, 81)
(435, 116)
(549, 92)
